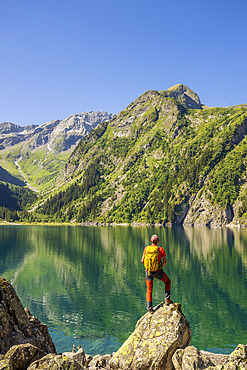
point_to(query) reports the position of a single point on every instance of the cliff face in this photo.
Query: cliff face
(202, 212)
(18, 326)
(70, 131)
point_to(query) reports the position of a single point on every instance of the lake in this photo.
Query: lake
(87, 283)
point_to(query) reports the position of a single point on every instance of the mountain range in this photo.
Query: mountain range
(165, 159)
(35, 154)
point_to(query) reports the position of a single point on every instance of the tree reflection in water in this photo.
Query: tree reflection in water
(87, 283)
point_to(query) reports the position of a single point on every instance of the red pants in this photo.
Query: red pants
(150, 280)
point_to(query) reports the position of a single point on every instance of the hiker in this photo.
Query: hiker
(154, 258)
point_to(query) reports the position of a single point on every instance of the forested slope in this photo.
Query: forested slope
(14, 200)
(164, 159)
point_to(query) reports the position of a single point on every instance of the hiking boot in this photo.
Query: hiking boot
(151, 310)
(168, 301)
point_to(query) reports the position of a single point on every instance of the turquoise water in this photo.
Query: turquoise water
(87, 283)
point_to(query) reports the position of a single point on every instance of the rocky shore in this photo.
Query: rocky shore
(160, 341)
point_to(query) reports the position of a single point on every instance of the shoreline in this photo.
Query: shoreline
(79, 224)
(133, 224)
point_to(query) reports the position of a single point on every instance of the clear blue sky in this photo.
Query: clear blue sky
(60, 57)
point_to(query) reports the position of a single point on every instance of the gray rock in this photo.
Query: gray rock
(100, 362)
(156, 338)
(22, 355)
(239, 357)
(78, 356)
(11, 128)
(55, 362)
(203, 213)
(191, 358)
(19, 326)
(58, 135)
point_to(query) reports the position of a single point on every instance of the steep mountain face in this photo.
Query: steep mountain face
(11, 134)
(36, 154)
(164, 159)
(70, 131)
(184, 95)
(10, 128)
(133, 129)
(57, 135)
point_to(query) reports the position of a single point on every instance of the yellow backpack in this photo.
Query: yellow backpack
(151, 258)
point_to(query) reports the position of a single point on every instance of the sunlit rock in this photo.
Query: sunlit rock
(191, 358)
(78, 356)
(100, 362)
(18, 326)
(21, 356)
(156, 338)
(57, 362)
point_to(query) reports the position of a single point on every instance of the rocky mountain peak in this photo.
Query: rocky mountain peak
(57, 135)
(7, 127)
(142, 114)
(71, 130)
(184, 95)
(187, 97)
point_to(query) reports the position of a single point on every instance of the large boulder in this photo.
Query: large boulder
(100, 362)
(78, 356)
(21, 356)
(55, 362)
(191, 358)
(87, 361)
(17, 325)
(236, 360)
(156, 338)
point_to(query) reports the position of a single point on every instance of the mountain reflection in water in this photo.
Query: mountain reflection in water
(87, 283)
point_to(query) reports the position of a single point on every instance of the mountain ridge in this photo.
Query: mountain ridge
(161, 160)
(41, 151)
(80, 123)
(165, 159)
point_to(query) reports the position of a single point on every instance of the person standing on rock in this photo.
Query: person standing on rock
(154, 258)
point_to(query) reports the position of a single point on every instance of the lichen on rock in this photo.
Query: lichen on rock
(156, 338)
(18, 326)
(56, 362)
(21, 356)
(192, 358)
